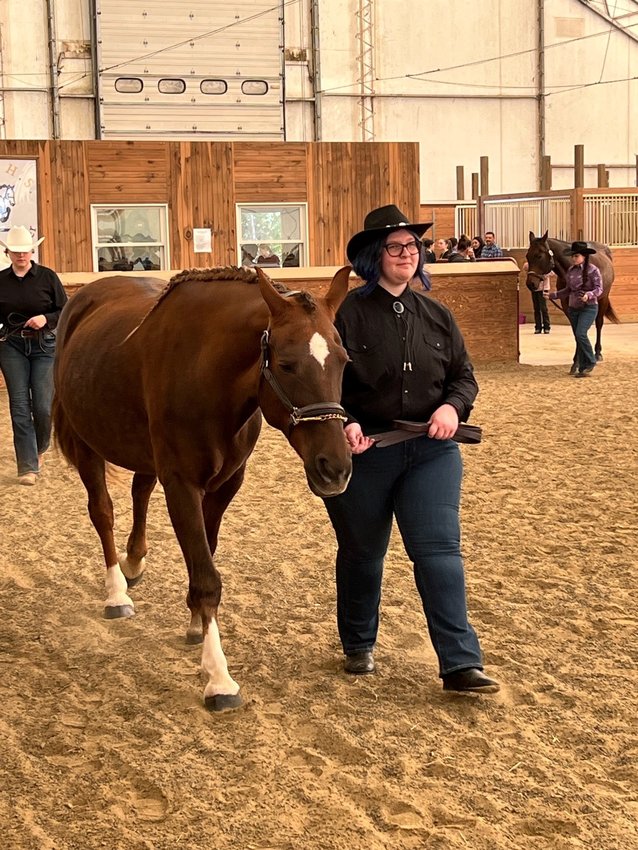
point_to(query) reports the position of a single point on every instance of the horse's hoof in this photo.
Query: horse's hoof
(116, 612)
(194, 638)
(223, 702)
(599, 357)
(132, 582)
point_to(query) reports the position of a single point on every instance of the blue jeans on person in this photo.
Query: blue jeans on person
(27, 368)
(581, 320)
(418, 482)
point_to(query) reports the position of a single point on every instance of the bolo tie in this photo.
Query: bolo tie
(399, 309)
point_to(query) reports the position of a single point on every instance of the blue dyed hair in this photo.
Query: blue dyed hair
(367, 264)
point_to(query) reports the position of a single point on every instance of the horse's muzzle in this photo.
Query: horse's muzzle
(327, 478)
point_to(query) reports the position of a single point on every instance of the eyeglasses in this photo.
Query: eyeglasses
(395, 249)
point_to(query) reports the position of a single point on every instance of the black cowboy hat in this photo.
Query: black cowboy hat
(382, 221)
(579, 248)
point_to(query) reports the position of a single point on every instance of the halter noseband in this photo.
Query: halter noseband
(319, 412)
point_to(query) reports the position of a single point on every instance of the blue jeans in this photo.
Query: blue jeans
(419, 482)
(27, 367)
(581, 320)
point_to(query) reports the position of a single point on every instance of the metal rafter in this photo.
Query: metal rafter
(365, 35)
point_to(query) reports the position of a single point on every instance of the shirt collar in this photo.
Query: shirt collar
(386, 299)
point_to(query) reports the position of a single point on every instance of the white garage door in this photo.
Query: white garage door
(190, 70)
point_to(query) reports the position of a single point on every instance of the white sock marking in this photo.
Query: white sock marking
(116, 588)
(214, 663)
(319, 349)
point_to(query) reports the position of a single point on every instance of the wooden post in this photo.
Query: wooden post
(475, 182)
(460, 183)
(637, 169)
(579, 166)
(546, 174)
(485, 176)
(603, 176)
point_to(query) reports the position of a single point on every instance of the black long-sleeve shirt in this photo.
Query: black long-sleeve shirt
(39, 292)
(403, 364)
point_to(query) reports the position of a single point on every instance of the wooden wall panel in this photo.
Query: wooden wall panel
(201, 195)
(346, 181)
(126, 172)
(443, 216)
(71, 221)
(270, 171)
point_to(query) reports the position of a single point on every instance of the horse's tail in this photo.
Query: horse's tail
(610, 314)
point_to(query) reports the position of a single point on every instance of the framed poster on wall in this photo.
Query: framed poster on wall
(18, 199)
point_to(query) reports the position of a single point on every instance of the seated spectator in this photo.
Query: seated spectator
(464, 253)
(439, 248)
(452, 242)
(248, 254)
(292, 258)
(430, 256)
(477, 246)
(266, 257)
(490, 249)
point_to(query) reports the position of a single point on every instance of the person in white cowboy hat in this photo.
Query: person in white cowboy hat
(31, 299)
(583, 287)
(407, 362)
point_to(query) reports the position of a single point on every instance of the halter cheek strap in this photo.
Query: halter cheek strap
(318, 412)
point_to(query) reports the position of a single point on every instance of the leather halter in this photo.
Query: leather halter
(552, 266)
(319, 412)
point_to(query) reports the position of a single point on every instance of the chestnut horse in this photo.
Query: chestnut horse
(548, 255)
(168, 381)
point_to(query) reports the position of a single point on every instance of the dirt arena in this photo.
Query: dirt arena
(105, 741)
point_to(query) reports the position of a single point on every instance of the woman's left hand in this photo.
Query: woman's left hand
(584, 298)
(36, 323)
(444, 423)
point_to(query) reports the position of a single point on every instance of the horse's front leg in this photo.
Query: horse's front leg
(92, 470)
(132, 562)
(600, 320)
(204, 589)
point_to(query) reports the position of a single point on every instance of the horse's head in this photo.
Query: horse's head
(302, 370)
(540, 259)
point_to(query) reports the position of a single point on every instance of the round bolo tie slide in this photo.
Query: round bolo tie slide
(398, 307)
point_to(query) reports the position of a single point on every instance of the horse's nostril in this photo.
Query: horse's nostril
(328, 471)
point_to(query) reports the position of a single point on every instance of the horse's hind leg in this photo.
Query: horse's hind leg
(132, 561)
(91, 468)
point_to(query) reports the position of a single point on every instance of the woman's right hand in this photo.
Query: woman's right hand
(356, 440)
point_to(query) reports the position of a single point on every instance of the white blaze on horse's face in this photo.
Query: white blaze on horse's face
(319, 349)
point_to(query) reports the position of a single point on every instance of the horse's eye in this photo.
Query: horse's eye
(289, 368)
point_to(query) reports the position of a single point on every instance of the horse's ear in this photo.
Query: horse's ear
(531, 236)
(276, 302)
(544, 236)
(338, 290)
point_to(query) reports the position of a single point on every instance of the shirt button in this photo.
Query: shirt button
(405, 391)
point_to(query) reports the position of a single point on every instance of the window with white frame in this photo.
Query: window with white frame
(272, 234)
(130, 238)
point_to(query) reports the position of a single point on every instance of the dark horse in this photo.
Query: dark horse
(548, 255)
(169, 381)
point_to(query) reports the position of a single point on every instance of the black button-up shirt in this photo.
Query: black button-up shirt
(39, 292)
(404, 364)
